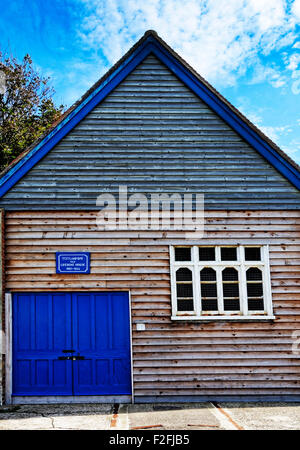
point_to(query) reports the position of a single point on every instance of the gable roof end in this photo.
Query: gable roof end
(149, 43)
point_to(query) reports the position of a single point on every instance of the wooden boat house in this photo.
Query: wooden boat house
(146, 315)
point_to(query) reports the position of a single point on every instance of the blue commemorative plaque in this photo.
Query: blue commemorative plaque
(71, 262)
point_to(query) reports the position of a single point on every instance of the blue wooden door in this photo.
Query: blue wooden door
(41, 330)
(101, 336)
(71, 344)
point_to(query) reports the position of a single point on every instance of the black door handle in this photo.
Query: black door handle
(68, 351)
(72, 358)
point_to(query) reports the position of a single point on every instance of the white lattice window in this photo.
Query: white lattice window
(220, 282)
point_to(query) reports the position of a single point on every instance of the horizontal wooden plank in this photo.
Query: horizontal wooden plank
(243, 326)
(221, 389)
(219, 384)
(126, 237)
(134, 273)
(33, 222)
(229, 362)
(209, 213)
(212, 334)
(237, 380)
(215, 372)
(148, 265)
(204, 349)
(81, 231)
(232, 342)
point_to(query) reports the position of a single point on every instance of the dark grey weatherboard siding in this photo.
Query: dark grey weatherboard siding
(153, 135)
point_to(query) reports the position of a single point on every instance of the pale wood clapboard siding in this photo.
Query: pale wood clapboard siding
(174, 359)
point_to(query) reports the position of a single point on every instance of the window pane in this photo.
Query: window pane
(230, 290)
(254, 289)
(231, 304)
(183, 274)
(208, 290)
(255, 304)
(210, 305)
(207, 254)
(254, 274)
(182, 254)
(184, 290)
(230, 274)
(185, 305)
(228, 254)
(208, 274)
(252, 254)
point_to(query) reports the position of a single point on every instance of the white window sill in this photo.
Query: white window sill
(227, 318)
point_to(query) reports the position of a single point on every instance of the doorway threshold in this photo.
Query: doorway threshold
(42, 400)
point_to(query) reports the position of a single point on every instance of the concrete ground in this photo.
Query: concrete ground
(159, 416)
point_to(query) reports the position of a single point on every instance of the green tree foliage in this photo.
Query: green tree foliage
(27, 109)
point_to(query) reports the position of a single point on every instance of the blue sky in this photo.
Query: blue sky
(247, 49)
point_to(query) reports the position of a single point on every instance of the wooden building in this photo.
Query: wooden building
(151, 315)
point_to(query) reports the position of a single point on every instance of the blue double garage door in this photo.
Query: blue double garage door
(71, 344)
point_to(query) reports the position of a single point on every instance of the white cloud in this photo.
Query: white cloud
(275, 133)
(253, 117)
(269, 14)
(293, 61)
(268, 74)
(278, 135)
(219, 39)
(296, 9)
(281, 135)
(293, 149)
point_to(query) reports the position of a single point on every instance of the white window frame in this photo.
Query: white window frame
(241, 265)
